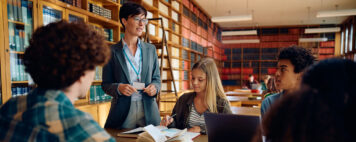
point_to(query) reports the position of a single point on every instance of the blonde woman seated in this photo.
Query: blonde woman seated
(208, 96)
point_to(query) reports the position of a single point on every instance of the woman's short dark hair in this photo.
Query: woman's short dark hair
(321, 111)
(130, 9)
(300, 57)
(60, 53)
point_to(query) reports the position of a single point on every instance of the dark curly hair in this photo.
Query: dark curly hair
(129, 9)
(299, 57)
(60, 53)
(321, 111)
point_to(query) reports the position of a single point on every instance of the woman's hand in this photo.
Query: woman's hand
(195, 129)
(166, 121)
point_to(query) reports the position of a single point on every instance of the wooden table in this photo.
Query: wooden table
(245, 101)
(114, 132)
(246, 111)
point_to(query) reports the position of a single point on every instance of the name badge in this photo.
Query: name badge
(138, 85)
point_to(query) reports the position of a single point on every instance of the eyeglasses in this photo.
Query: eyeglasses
(138, 20)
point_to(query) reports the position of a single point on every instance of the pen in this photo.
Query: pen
(172, 116)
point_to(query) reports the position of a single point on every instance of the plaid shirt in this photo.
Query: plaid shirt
(47, 115)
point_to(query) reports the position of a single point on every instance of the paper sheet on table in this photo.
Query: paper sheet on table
(155, 133)
(139, 129)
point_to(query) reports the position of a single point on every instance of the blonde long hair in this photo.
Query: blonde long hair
(214, 87)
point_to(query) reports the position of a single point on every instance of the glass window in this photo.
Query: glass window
(351, 36)
(346, 39)
(342, 43)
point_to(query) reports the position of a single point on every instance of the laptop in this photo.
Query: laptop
(230, 127)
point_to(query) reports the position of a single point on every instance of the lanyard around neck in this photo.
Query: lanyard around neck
(139, 65)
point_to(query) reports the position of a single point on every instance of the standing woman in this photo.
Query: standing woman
(208, 96)
(132, 75)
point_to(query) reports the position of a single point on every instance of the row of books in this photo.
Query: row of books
(20, 91)
(185, 85)
(18, 38)
(268, 64)
(269, 57)
(231, 82)
(17, 69)
(51, 15)
(185, 42)
(270, 71)
(162, 8)
(185, 65)
(98, 73)
(231, 77)
(97, 94)
(107, 33)
(77, 3)
(19, 10)
(185, 54)
(99, 10)
(164, 86)
(326, 50)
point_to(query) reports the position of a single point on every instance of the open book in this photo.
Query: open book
(162, 133)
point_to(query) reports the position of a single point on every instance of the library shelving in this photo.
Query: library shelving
(2, 59)
(22, 17)
(260, 59)
(190, 33)
(348, 39)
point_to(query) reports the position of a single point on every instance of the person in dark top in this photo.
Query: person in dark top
(251, 80)
(292, 61)
(321, 111)
(208, 96)
(132, 76)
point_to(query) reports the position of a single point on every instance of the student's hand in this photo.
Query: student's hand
(126, 89)
(166, 121)
(195, 129)
(150, 90)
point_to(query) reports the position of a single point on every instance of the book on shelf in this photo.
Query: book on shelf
(10, 10)
(98, 73)
(20, 91)
(17, 69)
(99, 10)
(97, 94)
(163, 8)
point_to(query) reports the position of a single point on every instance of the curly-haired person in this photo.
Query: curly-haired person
(61, 59)
(292, 61)
(321, 111)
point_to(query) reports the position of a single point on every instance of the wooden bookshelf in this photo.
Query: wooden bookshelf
(206, 38)
(2, 58)
(348, 46)
(262, 57)
(67, 12)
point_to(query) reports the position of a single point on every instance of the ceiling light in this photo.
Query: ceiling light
(233, 33)
(322, 30)
(335, 13)
(313, 39)
(232, 18)
(241, 41)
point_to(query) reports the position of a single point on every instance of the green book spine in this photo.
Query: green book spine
(17, 40)
(10, 10)
(24, 10)
(15, 10)
(19, 10)
(92, 96)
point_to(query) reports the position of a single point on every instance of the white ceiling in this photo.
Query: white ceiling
(276, 12)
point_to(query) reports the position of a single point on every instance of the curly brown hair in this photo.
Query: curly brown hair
(60, 53)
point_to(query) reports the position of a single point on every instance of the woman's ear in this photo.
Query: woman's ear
(124, 21)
